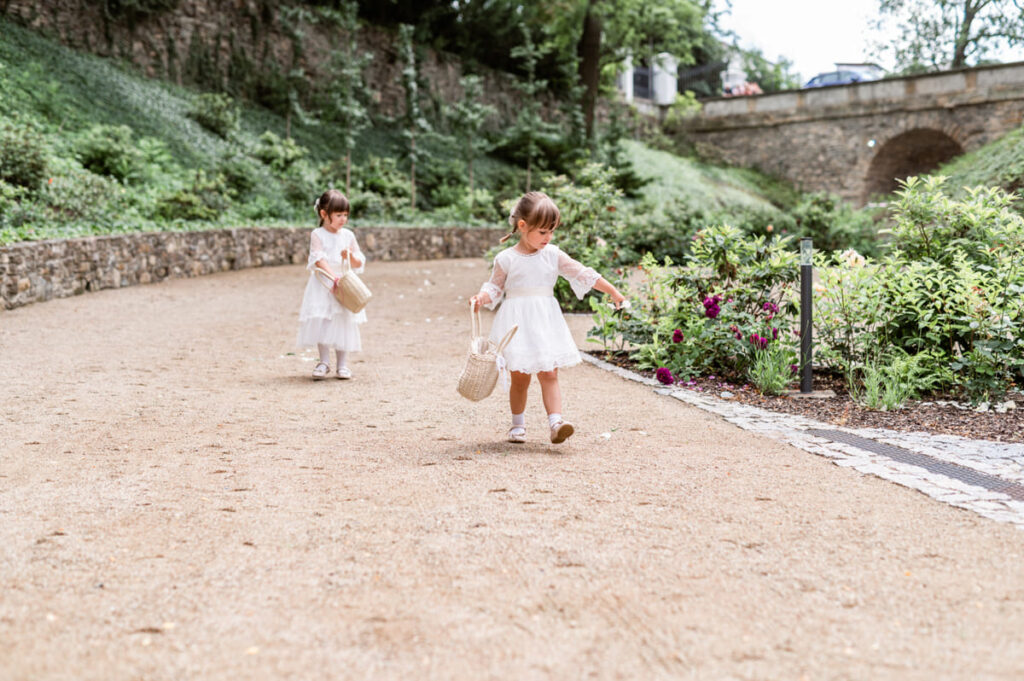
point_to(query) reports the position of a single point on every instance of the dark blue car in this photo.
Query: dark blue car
(835, 78)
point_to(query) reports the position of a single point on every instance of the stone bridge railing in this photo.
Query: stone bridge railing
(949, 88)
(35, 271)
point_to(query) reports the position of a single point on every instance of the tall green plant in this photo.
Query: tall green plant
(414, 121)
(345, 103)
(529, 121)
(468, 117)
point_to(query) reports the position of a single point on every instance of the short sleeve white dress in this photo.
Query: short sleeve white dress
(322, 319)
(524, 285)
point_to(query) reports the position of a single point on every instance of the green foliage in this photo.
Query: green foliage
(344, 97)
(940, 34)
(997, 164)
(685, 106)
(889, 383)
(23, 155)
(833, 225)
(772, 369)
(110, 150)
(949, 293)
(279, 154)
(216, 112)
(205, 199)
(771, 77)
(467, 118)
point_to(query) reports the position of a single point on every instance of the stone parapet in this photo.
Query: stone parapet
(36, 271)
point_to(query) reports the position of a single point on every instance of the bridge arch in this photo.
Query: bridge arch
(913, 152)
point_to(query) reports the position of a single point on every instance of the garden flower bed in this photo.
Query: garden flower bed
(938, 415)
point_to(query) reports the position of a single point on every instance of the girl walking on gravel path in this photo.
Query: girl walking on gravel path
(323, 321)
(524, 276)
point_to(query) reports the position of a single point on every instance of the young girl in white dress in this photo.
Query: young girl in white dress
(323, 321)
(524, 276)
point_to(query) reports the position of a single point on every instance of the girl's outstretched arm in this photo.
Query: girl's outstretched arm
(605, 286)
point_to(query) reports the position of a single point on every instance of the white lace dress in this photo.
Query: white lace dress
(524, 284)
(322, 319)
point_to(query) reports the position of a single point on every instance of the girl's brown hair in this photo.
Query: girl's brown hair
(332, 201)
(537, 210)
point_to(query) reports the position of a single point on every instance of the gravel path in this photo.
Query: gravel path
(179, 501)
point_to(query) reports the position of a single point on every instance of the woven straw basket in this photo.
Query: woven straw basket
(349, 289)
(480, 374)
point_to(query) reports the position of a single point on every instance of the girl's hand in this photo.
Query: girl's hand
(480, 299)
(619, 300)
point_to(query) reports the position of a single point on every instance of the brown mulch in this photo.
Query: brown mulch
(841, 410)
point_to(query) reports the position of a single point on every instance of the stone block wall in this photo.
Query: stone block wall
(32, 272)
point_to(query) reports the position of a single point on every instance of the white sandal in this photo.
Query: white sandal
(344, 373)
(517, 434)
(320, 371)
(560, 431)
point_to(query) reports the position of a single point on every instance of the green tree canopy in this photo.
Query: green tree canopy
(935, 34)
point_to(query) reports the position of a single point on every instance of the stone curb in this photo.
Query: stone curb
(1005, 461)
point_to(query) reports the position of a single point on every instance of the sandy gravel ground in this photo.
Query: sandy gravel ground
(179, 501)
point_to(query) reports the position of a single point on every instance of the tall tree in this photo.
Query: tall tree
(934, 34)
(612, 30)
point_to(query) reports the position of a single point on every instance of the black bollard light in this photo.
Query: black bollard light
(806, 313)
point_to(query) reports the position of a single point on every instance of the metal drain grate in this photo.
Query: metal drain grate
(929, 463)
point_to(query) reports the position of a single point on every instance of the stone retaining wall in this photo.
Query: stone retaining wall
(32, 272)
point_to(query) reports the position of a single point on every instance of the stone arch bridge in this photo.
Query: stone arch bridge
(857, 140)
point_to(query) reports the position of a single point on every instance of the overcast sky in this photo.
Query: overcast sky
(813, 34)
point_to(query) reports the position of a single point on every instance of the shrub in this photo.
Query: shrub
(207, 198)
(949, 294)
(834, 225)
(216, 112)
(110, 150)
(279, 154)
(23, 154)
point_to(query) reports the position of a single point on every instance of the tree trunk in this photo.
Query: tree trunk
(470, 163)
(589, 51)
(964, 34)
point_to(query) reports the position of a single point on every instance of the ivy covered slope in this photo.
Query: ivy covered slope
(89, 146)
(997, 164)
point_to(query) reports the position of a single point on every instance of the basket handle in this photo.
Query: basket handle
(321, 273)
(475, 323)
(508, 336)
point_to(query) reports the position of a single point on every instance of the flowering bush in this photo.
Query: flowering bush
(731, 298)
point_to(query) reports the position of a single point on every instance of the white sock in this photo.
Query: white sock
(325, 353)
(519, 422)
(553, 419)
(341, 357)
